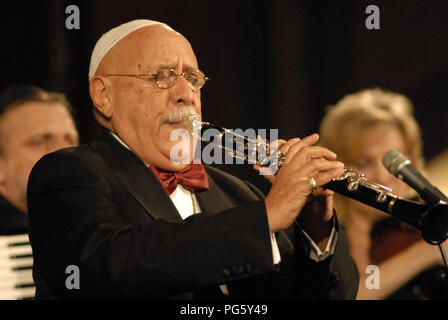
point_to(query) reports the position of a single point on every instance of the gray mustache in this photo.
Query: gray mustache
(180, 113)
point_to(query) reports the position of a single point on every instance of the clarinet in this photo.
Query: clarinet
(432, 221)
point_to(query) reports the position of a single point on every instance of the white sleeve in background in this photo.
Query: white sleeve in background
(314, 252)
(275, 251)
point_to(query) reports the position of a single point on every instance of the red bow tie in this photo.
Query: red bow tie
(193, 177)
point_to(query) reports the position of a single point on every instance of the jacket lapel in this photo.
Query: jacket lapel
(136, 178)
(213, 200)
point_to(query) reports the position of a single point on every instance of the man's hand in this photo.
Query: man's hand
(283, 147)
(291, 188)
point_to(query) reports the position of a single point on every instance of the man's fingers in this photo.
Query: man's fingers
(283, 145)
(278, 144)
(299, 145)
(309, 154)
(320, 152)
(324, 177)
(317, 165)
(311, 139)
(323, 171)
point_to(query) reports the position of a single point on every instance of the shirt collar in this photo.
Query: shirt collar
(119, 140)
(123, 143)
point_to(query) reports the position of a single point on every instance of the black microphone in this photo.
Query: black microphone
(401, 167)
(433, 223)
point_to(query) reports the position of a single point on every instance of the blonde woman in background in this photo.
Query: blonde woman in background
(360, 129)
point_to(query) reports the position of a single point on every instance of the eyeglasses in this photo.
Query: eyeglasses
(166, 78)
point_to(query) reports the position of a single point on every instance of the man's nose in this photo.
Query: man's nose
(182, 91)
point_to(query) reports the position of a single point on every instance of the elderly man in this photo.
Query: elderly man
(135, 224)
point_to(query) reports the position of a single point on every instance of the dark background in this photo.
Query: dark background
(273, 64)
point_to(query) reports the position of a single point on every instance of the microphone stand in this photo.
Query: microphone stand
(443, 251)
(433, 225)
(444, 257)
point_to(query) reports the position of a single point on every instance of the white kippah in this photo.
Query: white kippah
(110, 39)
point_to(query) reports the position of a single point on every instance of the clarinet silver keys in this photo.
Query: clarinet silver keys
(432, 221)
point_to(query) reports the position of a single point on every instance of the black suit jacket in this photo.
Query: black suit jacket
(100, 208)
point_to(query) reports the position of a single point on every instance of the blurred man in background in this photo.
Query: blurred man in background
(33, 122)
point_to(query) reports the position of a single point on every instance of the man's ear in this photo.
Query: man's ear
(100, 97)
